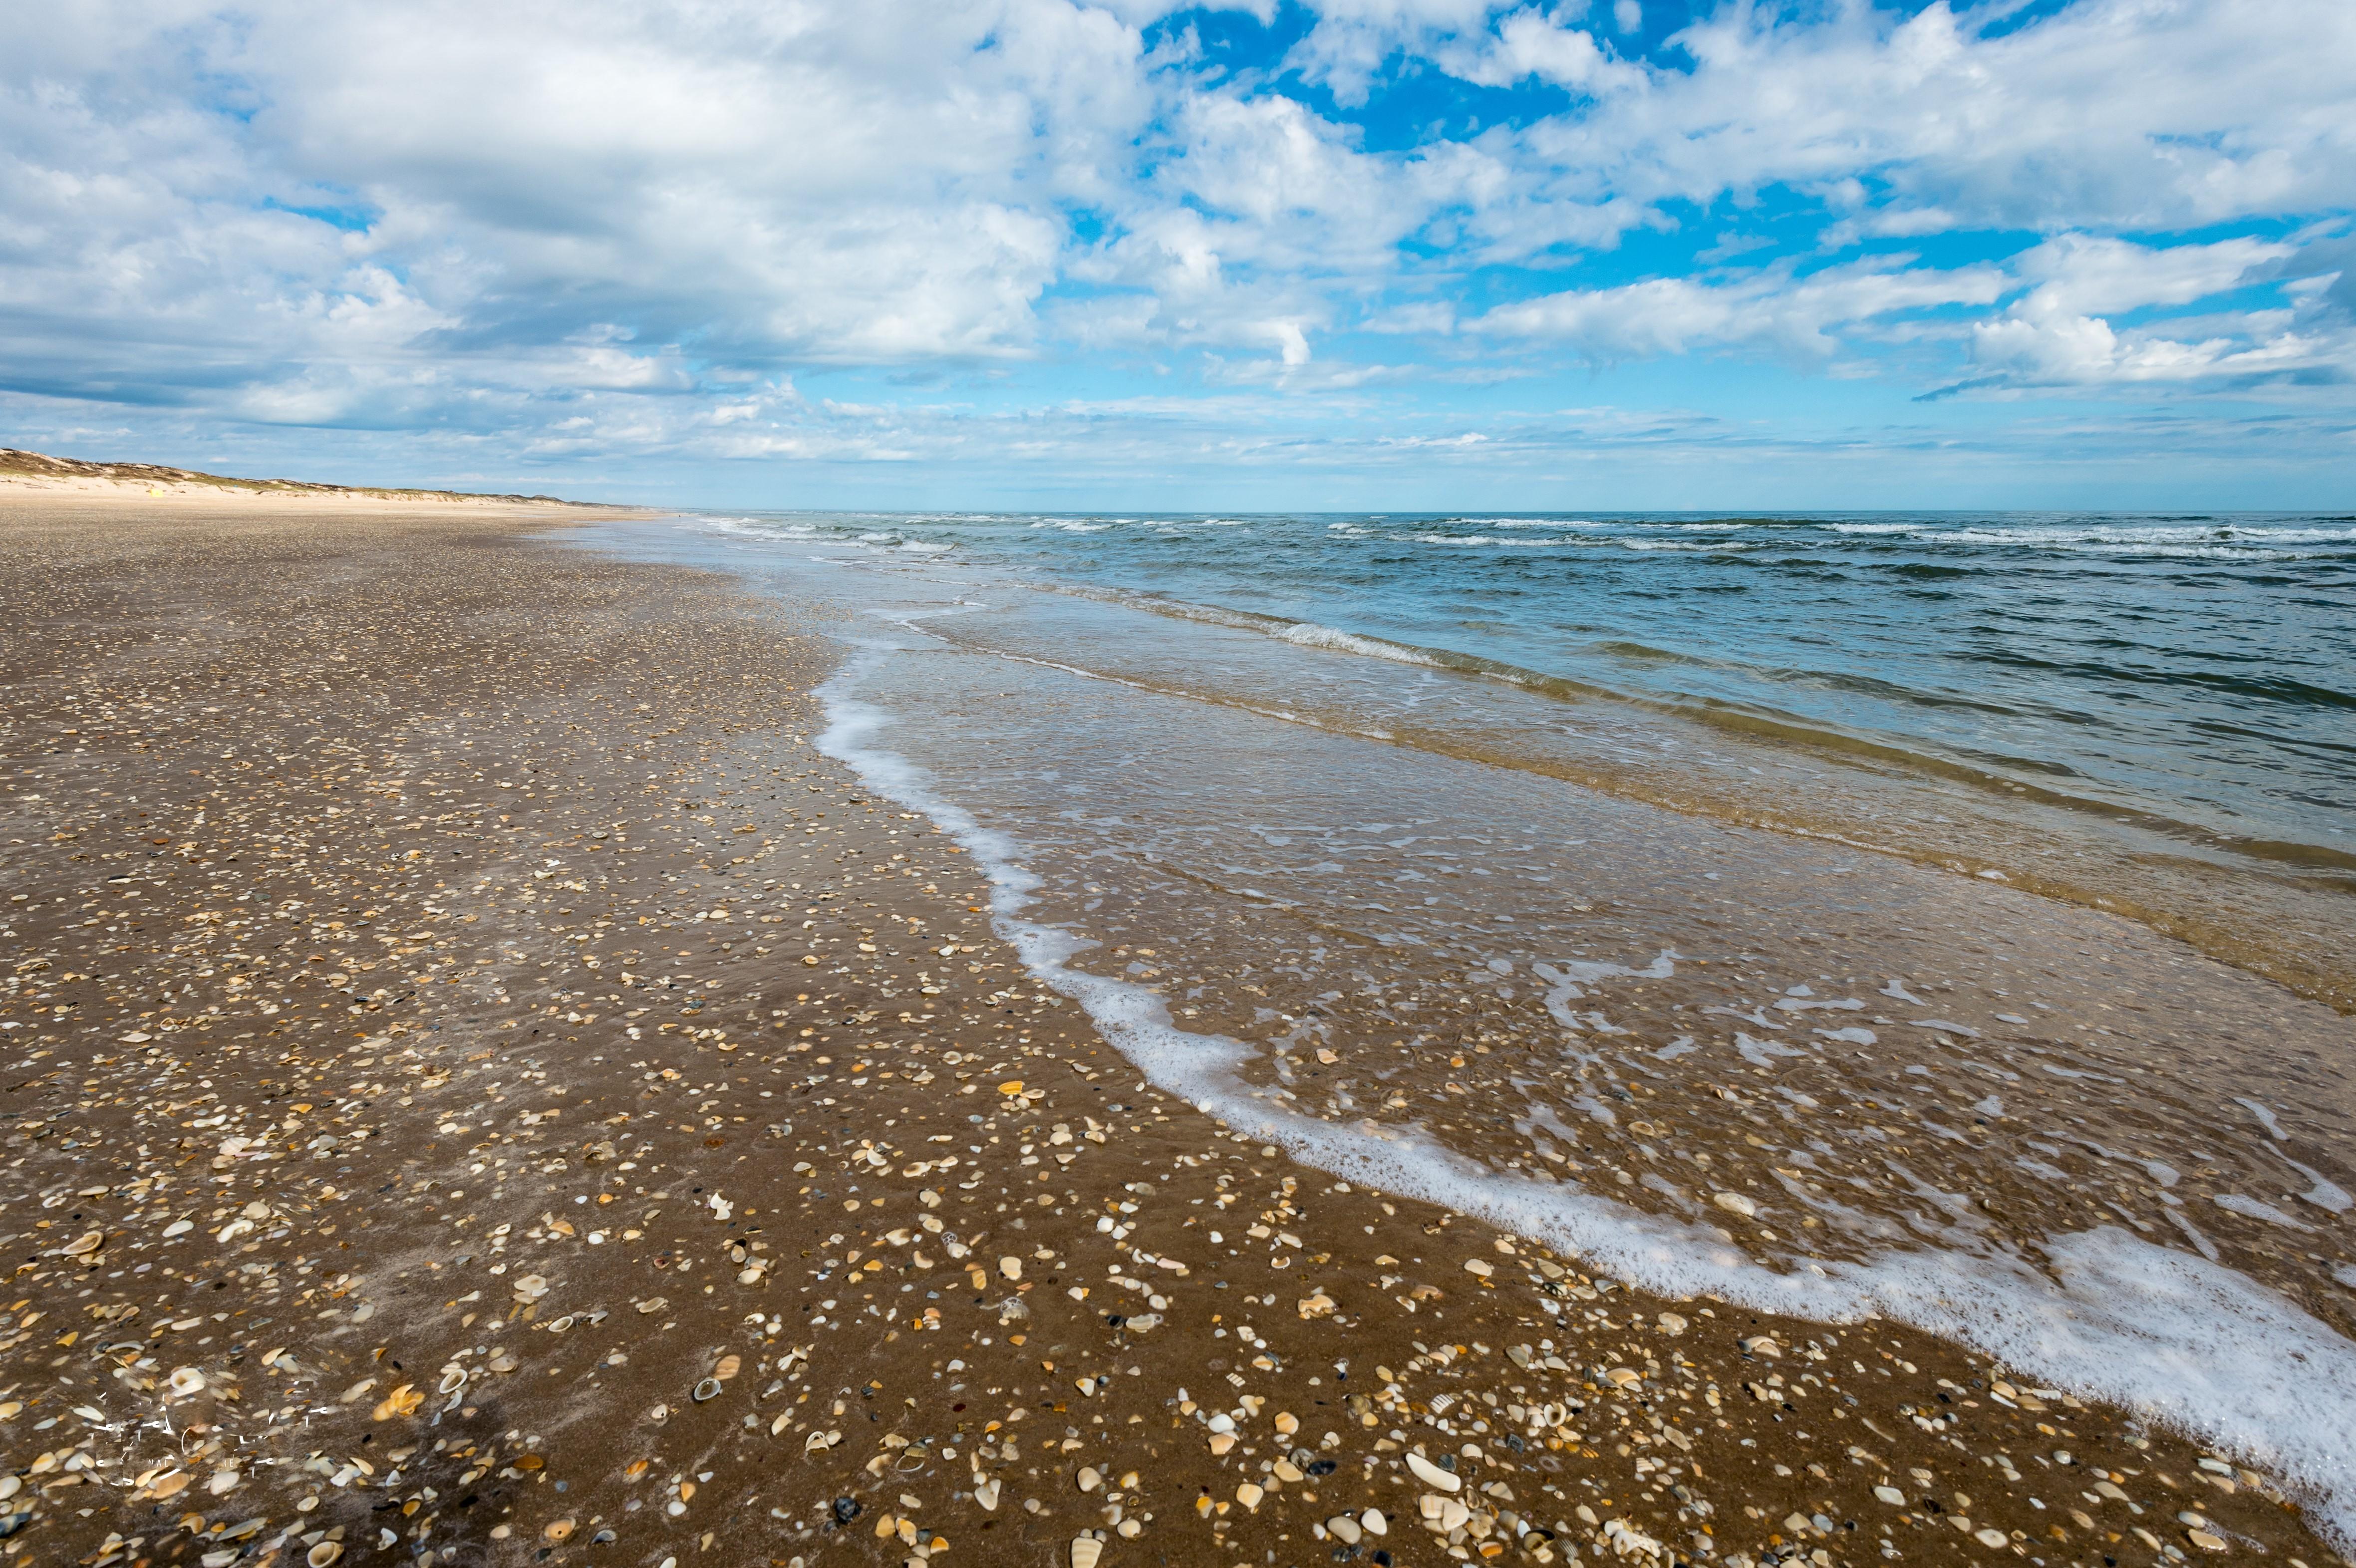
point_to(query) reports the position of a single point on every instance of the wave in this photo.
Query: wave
(2010, 778)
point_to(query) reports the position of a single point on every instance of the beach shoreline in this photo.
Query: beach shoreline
(439, 1193)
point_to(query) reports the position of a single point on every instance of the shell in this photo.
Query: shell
(1087, 1549)
(1432, 1475)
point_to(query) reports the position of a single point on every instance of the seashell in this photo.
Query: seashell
(10, 1486)
(728, 1367)
(1089, 1478)
(179, 1228)
(184, 1381)
(323, 1554)
(1478, 1266)
(1374, 1522)
(1344, 1529)
(818, 1442)
(530, 1287)
(560, 1530)
(1286, 1423)
(1249, 1494)
(708, 1389)
(223, 1482)
(559, 1325)
(81, 1246)
(454, 1380)
(1012, 1268)
(1087, 1549)
(1735, 1203)
(1432, 1475)
(986, 1493)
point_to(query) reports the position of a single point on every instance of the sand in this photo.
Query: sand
(482, 1089)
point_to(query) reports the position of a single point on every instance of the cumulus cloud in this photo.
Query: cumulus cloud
(645, 224)
(1770, 307)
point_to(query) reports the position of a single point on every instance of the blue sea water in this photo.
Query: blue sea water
(2198, 670)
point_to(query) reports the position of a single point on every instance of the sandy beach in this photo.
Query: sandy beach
(483, 1088)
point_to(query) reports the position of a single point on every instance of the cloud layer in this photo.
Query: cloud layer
(620, 232)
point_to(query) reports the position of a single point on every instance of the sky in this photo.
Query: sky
(1384, 254)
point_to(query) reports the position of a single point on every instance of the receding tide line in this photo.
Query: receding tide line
(2178, 1338)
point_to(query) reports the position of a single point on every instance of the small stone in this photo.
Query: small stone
(1478, 1266)
(1989, 1537)
(1089, 1478)
(1735, 1203)
(2204, 1540)
(1375, 1522)
(1344, 1529)
(1891, 1495)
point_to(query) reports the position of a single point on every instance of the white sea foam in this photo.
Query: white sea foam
(1310, 635)
(2177, 1337)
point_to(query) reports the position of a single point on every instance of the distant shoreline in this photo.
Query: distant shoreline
(23, 472)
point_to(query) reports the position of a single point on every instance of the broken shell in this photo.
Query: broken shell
(1432, 1475)
(1087, 1549)
(530, 1287)
(1248, 1494)
(708, 1389)
(1012, 1268)
(986, 1494)
(81, 1246)
(186, 1380)
(818, 1442)
(1287, 1422)
(326, 1552)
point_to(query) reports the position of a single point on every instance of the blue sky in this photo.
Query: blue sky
(1360, 253)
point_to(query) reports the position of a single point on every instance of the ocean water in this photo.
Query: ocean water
(1725, 922)
(2151, 714)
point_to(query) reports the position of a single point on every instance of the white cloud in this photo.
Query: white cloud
(603, 220)
(2059, 334)
(1769, 308)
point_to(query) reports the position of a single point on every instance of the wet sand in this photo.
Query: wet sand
(483, 1089)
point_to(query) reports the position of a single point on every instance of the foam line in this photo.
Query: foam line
(2177, 1337)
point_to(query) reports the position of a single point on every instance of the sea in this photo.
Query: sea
(1943, 917)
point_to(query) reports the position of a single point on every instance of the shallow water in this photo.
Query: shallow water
(1710, 1056)
(2153, 715)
